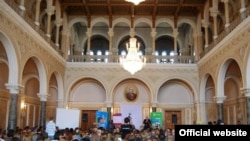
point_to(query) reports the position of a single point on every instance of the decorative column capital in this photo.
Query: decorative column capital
(213, 12)
(108, 103)
(175, 32)
(43, 96)
(153, 32)
(154, 104)
(89, 32)
(50, 10)
(58, 22)
(219, 99)
(111, 32)
(14, 88)
(245, 92)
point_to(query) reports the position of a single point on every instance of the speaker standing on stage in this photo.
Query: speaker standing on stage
(147, 124)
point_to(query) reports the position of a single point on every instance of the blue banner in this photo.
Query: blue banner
(102, 119)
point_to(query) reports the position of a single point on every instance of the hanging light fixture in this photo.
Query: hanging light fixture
(136, 2)
(133, 61)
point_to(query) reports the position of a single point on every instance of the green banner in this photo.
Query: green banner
(156, 119)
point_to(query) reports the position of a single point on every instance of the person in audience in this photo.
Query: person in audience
(67, 134)
(111, 126)
(41, 134)
(1, 135)
(95, 135)
(58, 133)
(77, 134)
(51, 128)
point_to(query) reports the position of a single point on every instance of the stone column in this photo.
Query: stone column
(111, 34)
(89, 33)
(243, 9)
(12, 117)
(50, 11)
(43, 98)
(65, 43)
(154, 106)
(195, 51)
(109, 107)
(22, 7)
(58, 23)
(175, 35)
(219, 101)
(214, 13)
(38, 2)
(226, 12)
(153, 34)
(246, 92)
(205, 25)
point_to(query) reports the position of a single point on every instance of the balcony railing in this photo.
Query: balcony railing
(233, 24)
(115, 59)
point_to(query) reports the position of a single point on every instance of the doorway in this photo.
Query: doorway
(88, 119)
(172, 118)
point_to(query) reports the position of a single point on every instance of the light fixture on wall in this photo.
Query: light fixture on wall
(133, 61)
(23, 109)
(136, 2)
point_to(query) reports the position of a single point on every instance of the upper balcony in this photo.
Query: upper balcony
(109, 57)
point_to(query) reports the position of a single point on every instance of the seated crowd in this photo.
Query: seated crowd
(116, 133)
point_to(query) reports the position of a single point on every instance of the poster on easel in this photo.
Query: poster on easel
(102, 119)
(117, 119)
(156, 119)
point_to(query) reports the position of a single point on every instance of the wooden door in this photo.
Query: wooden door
(88, 119)
(172, 118)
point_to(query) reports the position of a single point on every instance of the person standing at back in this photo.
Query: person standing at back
(126, 128)
(51, 128)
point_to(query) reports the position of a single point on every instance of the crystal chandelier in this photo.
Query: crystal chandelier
(133, 61)
(136, 2)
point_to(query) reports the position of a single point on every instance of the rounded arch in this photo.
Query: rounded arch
(180, 82)
(74, 80)
(43, 89)
(121, 20)
(188, 83)
(123, 40)
(85, 81)
(99, 20)
(132, 82)
(137, 78)
(76, 20)
(221, 76)
(143, 20)
(12, 59)
(247, 70)
(187, 21)
(60, 85)
(203, 96)
(203, 84)
(164, 20)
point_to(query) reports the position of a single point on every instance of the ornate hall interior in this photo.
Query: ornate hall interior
(193, 60)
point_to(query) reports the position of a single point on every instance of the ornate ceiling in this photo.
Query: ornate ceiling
(152, 8)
